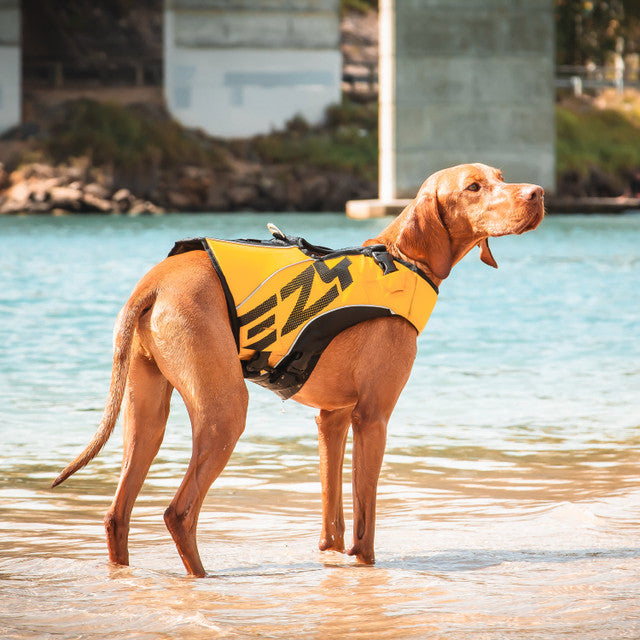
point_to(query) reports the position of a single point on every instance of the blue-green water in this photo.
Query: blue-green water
(510, 495)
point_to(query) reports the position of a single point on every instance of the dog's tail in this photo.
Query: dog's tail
(123, 339)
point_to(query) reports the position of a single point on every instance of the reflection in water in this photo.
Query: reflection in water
(509, 499)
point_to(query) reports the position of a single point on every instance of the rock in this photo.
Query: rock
(217, 200)
(315, 192)
(273, 192)
(602, 184)
(17, 198)
(36, 170)
(20, 191)
(97, 190)
(572, 184)
(10, 207)
(67, 198)
(121, 194)
(178, 200)
(122, 200)
(94, 203)
(78, 168)
(194, 184)
(40, 188)
(242, 195)
(294, 195)
(144, 206)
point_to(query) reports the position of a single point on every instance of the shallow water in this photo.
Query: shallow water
(509, 502)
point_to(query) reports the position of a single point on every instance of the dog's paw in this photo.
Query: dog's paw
(331, 543)
(363, 556)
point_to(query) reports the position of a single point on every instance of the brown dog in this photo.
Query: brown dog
(165, 338)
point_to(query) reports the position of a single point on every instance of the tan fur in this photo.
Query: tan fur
(174, 333)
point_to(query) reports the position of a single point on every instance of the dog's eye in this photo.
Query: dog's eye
(473, 187)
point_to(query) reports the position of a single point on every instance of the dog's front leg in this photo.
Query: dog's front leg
(369, 440)
(333, 427)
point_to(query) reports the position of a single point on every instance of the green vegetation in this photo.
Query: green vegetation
(133, 139)
(129, 138)
(606, 139)
(358, 5)
(347, 141)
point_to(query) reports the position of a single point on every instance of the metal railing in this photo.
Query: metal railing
(581, 79)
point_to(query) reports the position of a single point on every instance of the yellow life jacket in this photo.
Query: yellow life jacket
(288, 299)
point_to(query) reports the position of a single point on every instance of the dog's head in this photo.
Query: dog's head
(457, 209)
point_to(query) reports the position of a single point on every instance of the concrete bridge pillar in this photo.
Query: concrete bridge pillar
(10, 67)
(465, 81)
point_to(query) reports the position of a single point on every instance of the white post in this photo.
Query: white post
(386, 101)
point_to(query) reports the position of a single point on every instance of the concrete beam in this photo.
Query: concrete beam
(257, 29)
(254, 5)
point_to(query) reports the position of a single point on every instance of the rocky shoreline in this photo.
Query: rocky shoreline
(40, 188)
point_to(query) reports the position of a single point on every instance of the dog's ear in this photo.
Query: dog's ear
(424, 238)
(485, 254)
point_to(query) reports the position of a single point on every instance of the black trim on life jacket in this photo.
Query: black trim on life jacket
(296, 367)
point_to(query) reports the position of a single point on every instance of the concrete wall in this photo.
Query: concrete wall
(10, 66)
(466, 81)
(240, 67)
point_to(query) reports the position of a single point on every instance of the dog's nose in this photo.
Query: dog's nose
(533, 193)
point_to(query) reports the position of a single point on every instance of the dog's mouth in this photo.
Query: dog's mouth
(532, 219)
(528, 223)
(536, 218)
(527, 212)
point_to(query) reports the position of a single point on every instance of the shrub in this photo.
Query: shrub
(347, 141)
(590, 138)
(126, 137)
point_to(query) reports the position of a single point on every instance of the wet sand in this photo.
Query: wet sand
(503, 558)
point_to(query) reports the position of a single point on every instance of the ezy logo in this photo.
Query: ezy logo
(302, 310)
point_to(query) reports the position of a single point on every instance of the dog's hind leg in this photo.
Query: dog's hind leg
(146, 409)
(217, 425)
(207, 374)
(333, 427)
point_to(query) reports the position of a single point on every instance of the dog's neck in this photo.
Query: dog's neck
(396, 252)
(394, 236)
(391, 237)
